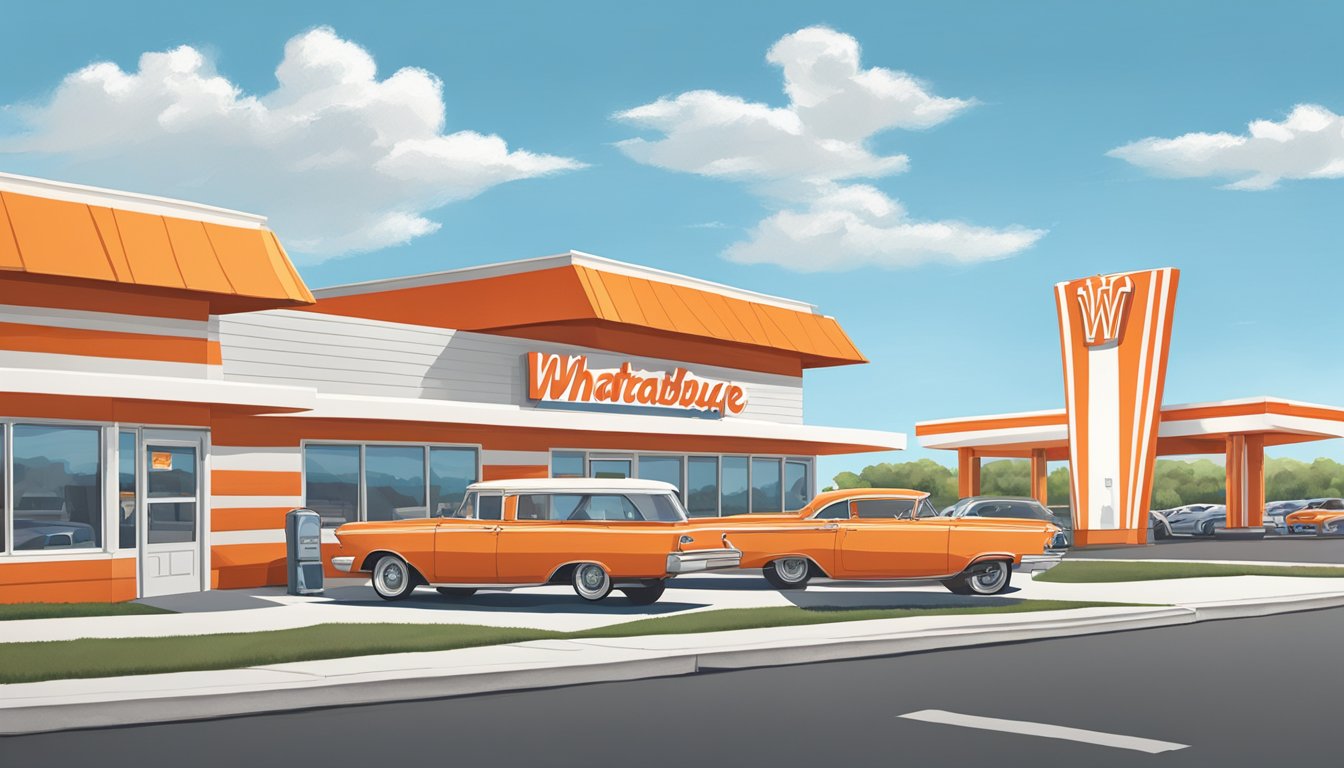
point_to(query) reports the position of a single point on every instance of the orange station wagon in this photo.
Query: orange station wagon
(594, 534)
(888, 533)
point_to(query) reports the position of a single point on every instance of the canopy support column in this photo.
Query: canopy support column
(1039, 488)
(1245, 481)
(968, 473)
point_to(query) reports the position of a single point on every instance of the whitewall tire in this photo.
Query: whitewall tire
(393, 579)
(591, 581)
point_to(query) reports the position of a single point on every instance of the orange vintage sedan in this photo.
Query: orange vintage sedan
(889, 533)
(1323, 517)
(594, 534)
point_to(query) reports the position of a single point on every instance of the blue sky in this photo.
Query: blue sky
(1053, 87)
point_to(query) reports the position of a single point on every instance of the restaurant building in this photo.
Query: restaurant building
(170, 388)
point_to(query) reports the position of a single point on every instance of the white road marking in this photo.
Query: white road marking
(1027, 728)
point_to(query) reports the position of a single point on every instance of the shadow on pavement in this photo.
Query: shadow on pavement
(852, 600)
(212, 601)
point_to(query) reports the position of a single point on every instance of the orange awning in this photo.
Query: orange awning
(236, 268)
(588, 301)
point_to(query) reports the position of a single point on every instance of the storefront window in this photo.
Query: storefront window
(57, 500)
(394, 482)
(331, 482)
(609, 468)
(4, 467)
(765, 486)
(797, 488)
(126, 484)
(451, 470)
(665, 469)
(702, 486)
(567, 464)
(735, 485)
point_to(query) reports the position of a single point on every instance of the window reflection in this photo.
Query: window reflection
(331, 482)
(735, 485)
(126, 485)
(394, 482)
(57, 501)
(451, 470)
(765, 486)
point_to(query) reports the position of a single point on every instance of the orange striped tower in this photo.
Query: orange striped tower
(1114, 334)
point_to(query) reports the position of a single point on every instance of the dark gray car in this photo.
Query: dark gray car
(1020, 508)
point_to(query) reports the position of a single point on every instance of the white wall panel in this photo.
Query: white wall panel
(342, 355)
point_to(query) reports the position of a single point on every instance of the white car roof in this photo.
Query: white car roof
(575, 485)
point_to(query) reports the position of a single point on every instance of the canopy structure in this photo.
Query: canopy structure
(1239, 429)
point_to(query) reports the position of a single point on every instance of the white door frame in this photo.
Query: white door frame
(189, 438)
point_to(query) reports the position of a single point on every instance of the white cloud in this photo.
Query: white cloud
(834, 108)
(797, 156)
(857, 225)
(1308, 144)
(339, 160)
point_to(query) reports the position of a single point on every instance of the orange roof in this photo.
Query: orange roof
(590, 301)
(67, 232)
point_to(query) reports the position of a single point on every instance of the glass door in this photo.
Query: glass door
(170, 512)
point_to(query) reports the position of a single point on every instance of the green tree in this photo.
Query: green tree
(923, 475)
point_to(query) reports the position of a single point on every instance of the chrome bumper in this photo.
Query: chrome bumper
(1042, 562)
(703, 560)
(343, 564)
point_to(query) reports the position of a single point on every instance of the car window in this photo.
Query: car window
(993, 509)
(481, 507)
(899, 509)
(610, 507)
(837, 511)
(490, 508)
(926, 509)
(1027, 511)
(1333, 504)
(534, 506)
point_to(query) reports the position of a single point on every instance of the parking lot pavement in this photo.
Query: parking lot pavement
(1227, 693)
(1286, 549)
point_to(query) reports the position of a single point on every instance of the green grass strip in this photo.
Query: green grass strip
(104, 657)
(1098, 571)
(19, 611)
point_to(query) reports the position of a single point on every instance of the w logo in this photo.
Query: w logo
(1104, 301)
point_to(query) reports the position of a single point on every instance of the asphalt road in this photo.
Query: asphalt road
(1287, 549)
(1250, 692)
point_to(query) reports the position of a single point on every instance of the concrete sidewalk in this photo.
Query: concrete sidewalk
(65, 704)
(559, 609)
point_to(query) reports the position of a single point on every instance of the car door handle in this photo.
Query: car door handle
(830, 526)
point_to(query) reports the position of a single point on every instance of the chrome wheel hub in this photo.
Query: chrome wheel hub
(792, 569)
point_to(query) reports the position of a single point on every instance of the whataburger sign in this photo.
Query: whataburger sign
(555, 378)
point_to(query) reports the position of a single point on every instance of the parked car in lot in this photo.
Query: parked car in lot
(1323, 517)
(1196, 519)
(1017, 507)
(594, 534)
(54, 534)
(885, 534)
(1159, 527)
(1276, 511)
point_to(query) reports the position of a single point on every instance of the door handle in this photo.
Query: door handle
(830, 526)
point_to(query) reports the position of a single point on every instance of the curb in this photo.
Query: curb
(323, 692)
(104, 714)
